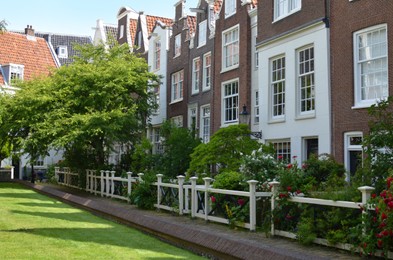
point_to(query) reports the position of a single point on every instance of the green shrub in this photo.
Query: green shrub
(229, 180)
(144, 194)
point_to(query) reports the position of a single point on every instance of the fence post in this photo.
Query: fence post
(274, 186)
(107, 183)
(112, 183)
(87, 180)
(57, 173)
(140, 176)
(159, 181)
(180, 181)
(129, 174)
(366, 195)
(12, 172)
(102, 183)
(207, 180)
(253, 204)
(193, 196)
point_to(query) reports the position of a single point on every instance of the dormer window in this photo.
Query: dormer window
(13, 73)
(62, 52)
(283, 8)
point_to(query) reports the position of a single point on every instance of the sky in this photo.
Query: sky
(77, 17)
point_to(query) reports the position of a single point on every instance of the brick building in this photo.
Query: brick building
(361, 71)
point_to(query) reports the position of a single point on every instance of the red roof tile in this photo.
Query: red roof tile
(191, 23)
(133, 27)
(151, 22)
(35, 55)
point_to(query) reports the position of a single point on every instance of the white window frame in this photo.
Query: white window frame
(192, 116)
(284, 8)
(283, 149)
(177, 47)
(348, 147)
(62, 52)
(306, 81)
(202, 34)
(16, 72)
(230, 114)
(196, 72)
(230, 48)
(205, 123)
(177, 85)
(230, 8)
(277, 79)
(157, 54)
(382, 59)
(207, 73)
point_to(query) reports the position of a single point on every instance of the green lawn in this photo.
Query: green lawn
(33, 226)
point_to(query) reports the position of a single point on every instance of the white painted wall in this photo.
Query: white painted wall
(163, 35)
(292, 127)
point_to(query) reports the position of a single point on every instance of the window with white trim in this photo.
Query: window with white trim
(278, 87)
(371, 65)
(306, 80)
(177, 50)
(177, 86)
(15, 73)
(192, 118)
(157, 140)
(230, 102)
(283, 8)
(205, 124)
(157, 54)
(202, 33)
(206, 85)
(230, 8)
(353, 154)
(62, 52)
(256, 108)
(282, 149)
(195, 75)
(230, 48)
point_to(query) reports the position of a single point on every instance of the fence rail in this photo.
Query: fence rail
(197, 200)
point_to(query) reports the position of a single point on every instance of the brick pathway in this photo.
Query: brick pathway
(210, 239)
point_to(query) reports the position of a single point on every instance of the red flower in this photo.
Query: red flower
(382, 225)
(380, 243)
(383, 194)
(373, 195)
(364, 245)
(280, 157)
(389, 181)
(385, 233)
(294, 157)
(289, 166)
(304, 166)
(384, 216)
(213, 199)
(241, 202)
(289, 188)
(377, 210)
(298, 191)
(282, 195)
(390, 204)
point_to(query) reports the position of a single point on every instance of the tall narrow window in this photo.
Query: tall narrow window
(231, 101)
(371, 65)
(195, 75)
(205, 124)
(306, 80)
(207, 71)
(157, 54)
(177, 45)
(283, 8)
(177, 86)
(256, 108)
(202, 33)
(192, 118)
(230, 48)
(353, 156)
(278, 87)
(230, 7)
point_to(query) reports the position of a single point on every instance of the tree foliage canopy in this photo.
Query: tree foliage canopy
(225, 149)
(101, 99)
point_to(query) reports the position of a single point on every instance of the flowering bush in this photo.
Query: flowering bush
(378, 223)
(262, 166)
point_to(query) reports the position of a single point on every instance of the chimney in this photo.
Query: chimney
(29, 30)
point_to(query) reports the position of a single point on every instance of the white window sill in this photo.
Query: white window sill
(201, 45)
(176, 101)
(277, 120)
(223, 70)
(308, 115)
(178, 55)
(194, 93)
(206, 89)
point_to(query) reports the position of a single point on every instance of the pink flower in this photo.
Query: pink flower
(241, 202)
(294, 157)
(213, 199)
(280, 157)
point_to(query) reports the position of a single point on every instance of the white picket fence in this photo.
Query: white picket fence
(65, 177)
(196, 201)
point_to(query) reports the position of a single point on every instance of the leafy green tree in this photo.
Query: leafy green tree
(178, 143)
(225, 149)
(378, 145)
(3, 25)
(99, 100)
